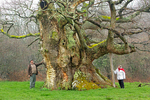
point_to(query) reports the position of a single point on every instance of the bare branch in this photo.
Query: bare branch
(18, 16)
(142, 49)
(118, 2)
(75, 3)
(123, 8)
(34, 41)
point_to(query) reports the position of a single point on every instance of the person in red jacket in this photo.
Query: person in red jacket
(120, 75)
(32, 72)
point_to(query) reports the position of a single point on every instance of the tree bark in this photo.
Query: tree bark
(112, 69)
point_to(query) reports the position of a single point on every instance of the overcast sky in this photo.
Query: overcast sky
(1, 2)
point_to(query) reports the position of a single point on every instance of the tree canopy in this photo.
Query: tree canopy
(110, 15)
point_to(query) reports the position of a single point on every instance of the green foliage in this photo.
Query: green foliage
(21, 91)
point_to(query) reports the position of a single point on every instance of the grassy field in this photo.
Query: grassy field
(21, 91)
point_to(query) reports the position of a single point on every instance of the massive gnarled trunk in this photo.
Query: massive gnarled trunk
(66, 53)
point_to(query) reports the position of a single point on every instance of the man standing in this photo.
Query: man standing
(120, 75)
(32, 72)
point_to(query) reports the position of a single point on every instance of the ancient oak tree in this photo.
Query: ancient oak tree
(66, 48)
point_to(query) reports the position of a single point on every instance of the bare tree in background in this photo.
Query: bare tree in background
(19, 16)
(15, 55)
(67, 49)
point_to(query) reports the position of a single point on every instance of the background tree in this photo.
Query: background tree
(16, 54)
(68, 50)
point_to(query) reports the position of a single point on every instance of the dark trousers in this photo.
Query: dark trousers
(32, 80)
(121, 83)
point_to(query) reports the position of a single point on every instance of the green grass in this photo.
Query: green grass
(21, 91)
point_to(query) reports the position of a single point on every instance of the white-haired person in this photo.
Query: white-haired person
(120, 75)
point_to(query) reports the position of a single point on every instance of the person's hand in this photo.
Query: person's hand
(28, 75)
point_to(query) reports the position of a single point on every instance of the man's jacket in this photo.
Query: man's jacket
(30, 69)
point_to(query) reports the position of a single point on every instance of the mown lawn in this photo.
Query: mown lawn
(21, 91)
